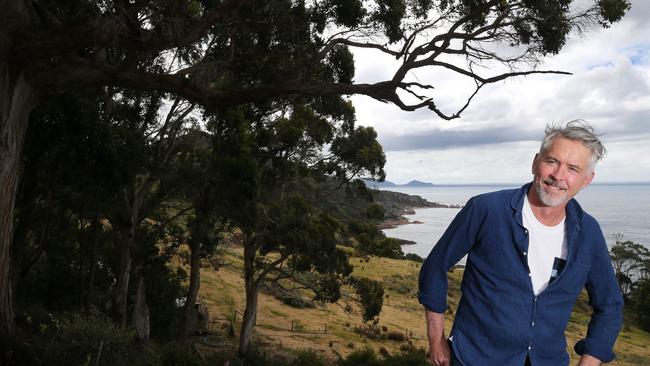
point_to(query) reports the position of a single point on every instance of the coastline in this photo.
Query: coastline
(398, 205)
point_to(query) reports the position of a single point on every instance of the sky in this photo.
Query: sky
(497, 137)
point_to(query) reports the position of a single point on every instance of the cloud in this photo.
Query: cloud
(610, 88)
(437, 139)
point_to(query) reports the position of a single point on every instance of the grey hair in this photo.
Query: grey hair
(576, 130)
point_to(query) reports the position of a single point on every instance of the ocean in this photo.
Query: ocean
(619, 208)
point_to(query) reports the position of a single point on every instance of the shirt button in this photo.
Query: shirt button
(525, 253)
(526, 231)
(532, 323)
(530, 274)
(530, 347)
(535, 298)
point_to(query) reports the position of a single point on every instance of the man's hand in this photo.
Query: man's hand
(439, 351)
(587, 360)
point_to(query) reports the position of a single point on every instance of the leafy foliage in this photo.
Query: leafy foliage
(641, 300)
(631, 262)
(371, 296)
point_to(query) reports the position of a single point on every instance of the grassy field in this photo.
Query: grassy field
(330, 330)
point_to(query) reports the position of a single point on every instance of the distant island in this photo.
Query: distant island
(388, 184)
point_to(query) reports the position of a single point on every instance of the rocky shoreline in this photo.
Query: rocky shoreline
(396, 205)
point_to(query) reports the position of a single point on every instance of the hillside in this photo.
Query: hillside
(330, 330)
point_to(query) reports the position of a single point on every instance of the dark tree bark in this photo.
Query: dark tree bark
(17, 99)
(189, 313)
(93, 264)
(252, 287)
(120, 296)
(140, 319)
(133, 202)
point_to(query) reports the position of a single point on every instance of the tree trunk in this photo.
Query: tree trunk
(123, 277)
(17, 99)
(93, 265)
(251, 295)
(141, 314)
(127, 245)
(190, 314)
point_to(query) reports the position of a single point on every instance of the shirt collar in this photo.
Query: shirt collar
(574, 212)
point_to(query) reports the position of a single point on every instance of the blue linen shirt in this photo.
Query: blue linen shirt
(499, 320)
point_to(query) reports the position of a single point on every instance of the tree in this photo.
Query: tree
(371, 296)
(265, 164)
(641, 298)
(630, 261)
(285, 48)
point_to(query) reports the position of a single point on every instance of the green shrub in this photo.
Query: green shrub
(78, 340)
(417, 358)
(363, 357)
(371, 296)
(309, 358)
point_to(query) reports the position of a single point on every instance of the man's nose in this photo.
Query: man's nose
(559, 173)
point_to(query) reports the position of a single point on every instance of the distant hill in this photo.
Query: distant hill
(388, 184)
(417, 183)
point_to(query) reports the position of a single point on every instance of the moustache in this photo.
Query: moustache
(555, 183)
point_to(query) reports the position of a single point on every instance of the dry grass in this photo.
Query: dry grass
(223, 292)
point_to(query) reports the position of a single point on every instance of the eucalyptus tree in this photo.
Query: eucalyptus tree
(49, 46)
(266, 161)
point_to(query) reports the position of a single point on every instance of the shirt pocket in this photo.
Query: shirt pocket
(574, 278)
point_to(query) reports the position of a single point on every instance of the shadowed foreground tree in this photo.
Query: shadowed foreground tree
(50, 46)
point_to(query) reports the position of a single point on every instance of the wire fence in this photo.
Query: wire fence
(233, 321)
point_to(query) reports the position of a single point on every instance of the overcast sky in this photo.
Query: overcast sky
(497, 136)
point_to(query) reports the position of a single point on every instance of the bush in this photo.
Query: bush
(363, 357)
(413, 257)
(396, 336)
(257, 358)
(369, 331)
(368, 357)
(309, 358)
(417, 358)
(79, 339)
(174, 354)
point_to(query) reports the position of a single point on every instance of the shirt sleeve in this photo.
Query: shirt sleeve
(457, 240)
(606, 301)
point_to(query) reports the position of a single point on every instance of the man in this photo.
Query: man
(530, 252)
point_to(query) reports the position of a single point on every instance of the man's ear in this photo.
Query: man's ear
(588, 179)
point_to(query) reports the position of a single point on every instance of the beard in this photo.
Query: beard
(548, 197)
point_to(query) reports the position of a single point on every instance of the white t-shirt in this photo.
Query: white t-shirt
(545, 244)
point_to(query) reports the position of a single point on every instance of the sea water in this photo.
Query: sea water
(619, 208)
